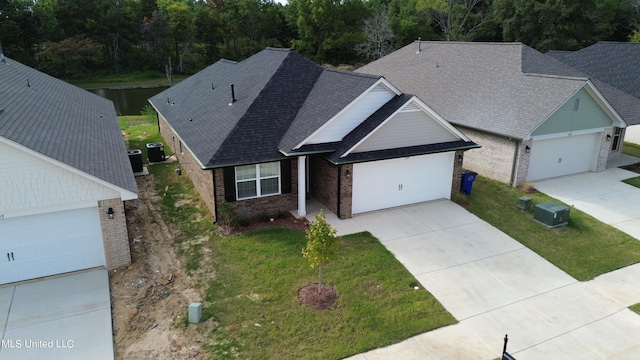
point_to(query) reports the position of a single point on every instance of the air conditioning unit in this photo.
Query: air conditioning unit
(524, 203)
(551, 214)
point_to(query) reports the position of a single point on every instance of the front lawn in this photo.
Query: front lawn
(635, 308)
(256, 276)
(631, 149)
(584, 249)
(255, 299)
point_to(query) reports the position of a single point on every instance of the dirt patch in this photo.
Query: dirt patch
(150, 297)
(319, 300)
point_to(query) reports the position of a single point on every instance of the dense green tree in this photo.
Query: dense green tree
(562, 24)
(407, 24)
(71, 57)
(18, 29)
(328, 30)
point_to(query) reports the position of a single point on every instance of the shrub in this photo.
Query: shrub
(226, 215)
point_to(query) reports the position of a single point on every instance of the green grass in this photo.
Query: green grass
(260, 273)
(128, 80)
(631, 149)
(139, 130)
(584, 249)
(635, 308)
(633, 181)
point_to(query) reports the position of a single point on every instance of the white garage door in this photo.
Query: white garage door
(49, 244)
(563, 156)
(388, 183)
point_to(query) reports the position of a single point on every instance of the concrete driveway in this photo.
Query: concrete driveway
(495, 286)
(602, 195)
(66, 317)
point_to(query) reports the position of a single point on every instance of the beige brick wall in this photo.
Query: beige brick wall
(494, 159)
(114, 233)
(457, 172)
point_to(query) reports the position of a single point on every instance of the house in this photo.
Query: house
(65, 174)
(534, 116)
(265, 133)
(615, 63)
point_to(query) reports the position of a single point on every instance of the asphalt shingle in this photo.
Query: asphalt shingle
(501, 88)
(63, 122)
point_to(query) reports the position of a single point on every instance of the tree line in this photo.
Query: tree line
(73, 38)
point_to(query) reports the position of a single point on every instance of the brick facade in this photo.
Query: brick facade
(202, 179)
(323, 185)
(494, 159)
(269, 205)
(458, 163)
(114, 233)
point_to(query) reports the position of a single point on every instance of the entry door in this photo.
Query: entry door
(48, 244)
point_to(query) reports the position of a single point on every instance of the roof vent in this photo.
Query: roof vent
(28, 85)
(2, 55)
(233, 95)
(419, 45)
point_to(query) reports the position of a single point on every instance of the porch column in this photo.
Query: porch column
(302, 191)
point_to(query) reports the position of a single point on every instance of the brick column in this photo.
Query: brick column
(114, 233)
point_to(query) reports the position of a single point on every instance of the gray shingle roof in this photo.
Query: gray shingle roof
(614, 63)
(63, 122)
(282, 98)
(502, 88)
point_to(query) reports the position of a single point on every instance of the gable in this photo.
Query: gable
(580, 112)
(409, 127)
(353, 115)
(32, 185)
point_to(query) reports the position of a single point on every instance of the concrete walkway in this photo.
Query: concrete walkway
(65, 317)
(495, 286)
(602, 195)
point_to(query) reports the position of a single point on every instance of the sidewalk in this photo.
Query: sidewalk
(494, 286)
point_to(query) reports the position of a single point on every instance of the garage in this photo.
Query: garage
(396, 182)
(563, 156)
(52, 243)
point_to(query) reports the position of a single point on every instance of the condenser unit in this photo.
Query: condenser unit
(551, 214)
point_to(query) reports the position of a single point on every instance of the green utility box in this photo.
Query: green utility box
(551, 214)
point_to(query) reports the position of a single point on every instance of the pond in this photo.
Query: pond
(129, 101)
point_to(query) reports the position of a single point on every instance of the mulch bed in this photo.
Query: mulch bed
(633, 167)
(320, 301)
(288, 221)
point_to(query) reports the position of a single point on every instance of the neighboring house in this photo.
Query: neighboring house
(615, 63)
(64, 169)
(534, 116)
(265, 133)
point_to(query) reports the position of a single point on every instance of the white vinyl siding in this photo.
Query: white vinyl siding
(248, 177)
(353, 116)
(31, 185)
(407, 128)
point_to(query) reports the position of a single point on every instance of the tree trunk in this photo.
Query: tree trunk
(319, 279)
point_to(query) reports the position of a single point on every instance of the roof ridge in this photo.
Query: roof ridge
(353, 73)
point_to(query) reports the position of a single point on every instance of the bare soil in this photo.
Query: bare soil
(150, 297)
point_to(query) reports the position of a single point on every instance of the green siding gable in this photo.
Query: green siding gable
(567, 118)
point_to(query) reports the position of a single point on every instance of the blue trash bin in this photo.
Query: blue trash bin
(468, 177)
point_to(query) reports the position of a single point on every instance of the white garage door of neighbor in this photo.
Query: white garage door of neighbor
(563, 156)
(396, 182)
(48, 244)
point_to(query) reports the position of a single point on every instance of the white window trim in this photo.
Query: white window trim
(257, 180)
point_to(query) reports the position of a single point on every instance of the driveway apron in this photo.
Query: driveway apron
(66, 317)
(495, 286)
